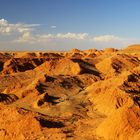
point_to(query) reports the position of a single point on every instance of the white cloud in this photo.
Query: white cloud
(7, 28)
(105, 38)
(47, 36)
(53, 27)
(3, 22)
(79, 36)
(72, 40)
(28, 37)
(21, 34)
(75, 36)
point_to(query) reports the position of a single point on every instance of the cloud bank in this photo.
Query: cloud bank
(7, 28)
(105, 38)
(53, 26)
(21, 34)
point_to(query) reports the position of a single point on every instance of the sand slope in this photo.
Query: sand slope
(75, 95)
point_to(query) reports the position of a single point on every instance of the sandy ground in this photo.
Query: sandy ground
(75, 95)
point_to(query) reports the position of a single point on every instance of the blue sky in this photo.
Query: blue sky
(67, 24)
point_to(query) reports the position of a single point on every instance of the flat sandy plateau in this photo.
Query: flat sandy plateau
(74, 95)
